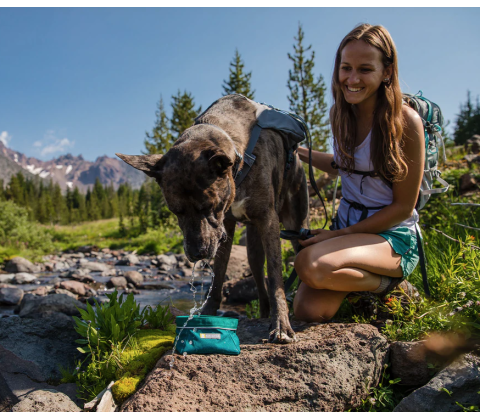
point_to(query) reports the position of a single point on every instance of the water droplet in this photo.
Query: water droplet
(184, 353)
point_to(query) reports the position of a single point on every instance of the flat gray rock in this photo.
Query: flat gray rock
(461, 379)
(23, 278)
(10, 296)
(46, 400)
(95, 266)
(133, 277)
(35, 306)
(20, 265)
(6, 278)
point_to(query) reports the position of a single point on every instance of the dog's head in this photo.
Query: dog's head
(196, 179)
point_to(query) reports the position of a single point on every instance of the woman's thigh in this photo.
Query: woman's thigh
(364, 251)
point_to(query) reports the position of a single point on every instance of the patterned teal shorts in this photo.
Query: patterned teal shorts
(404, 243)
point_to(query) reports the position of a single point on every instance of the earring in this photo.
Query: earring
(386, 80)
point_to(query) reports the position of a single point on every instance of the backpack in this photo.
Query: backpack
(432, 120)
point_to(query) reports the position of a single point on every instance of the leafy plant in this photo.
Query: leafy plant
(159, 317)
(383, 397)
(111, 322)
(253, 309)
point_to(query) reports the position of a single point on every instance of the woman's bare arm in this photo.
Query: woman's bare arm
(320, 160)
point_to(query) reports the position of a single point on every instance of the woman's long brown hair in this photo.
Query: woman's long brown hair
(387, 128)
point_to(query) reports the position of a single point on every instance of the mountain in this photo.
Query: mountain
(70, 171)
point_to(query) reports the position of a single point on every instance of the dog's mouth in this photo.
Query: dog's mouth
(195, 252)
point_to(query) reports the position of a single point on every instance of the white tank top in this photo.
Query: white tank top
(366, 190)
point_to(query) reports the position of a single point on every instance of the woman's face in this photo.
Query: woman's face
(361, 73)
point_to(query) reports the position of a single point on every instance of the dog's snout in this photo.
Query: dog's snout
(201, 254)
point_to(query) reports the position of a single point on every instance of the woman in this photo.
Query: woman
(373, 131)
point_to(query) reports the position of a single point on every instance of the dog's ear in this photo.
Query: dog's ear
(218, 161)
(145, 163)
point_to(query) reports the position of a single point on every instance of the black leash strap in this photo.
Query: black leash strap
(423, 266)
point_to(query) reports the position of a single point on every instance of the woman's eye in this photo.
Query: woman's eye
(345, 68)
(366, 70)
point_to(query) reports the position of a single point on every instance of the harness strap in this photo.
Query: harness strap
(373, 174)
(248, 156)
(362, 208)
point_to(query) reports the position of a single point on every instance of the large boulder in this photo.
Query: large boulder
(327, 369)
(20, 265)
(10, 295)
(133, 277)
(43, 344)
(46, 400)
(36, 306)
(461, 379)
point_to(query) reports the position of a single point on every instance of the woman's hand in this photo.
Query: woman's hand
(320, 236)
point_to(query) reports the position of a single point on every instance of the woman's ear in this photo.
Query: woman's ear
(387, 73)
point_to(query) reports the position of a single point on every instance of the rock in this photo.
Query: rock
(22, 278)
(326, 370)
(240, 291)
(7, 398)
(107, 403)
(167, 259)
(20, 265)
(41, 291)
(472, 145)
(129, 259)
(55, 280)
(119, 282)
(61, 265)
(158, 285)
(76, 255)
(10, 296)
(46, 400)
(6, 278)
(461, 379)
(472, 159)
(34, 306)
(186, 272)
(35, 347)
(110, 272)
(238, 262)
(74, 287)
(133, 277)
(65, 292)
(409, 363)
(95, 266)
(467, 182)
(86, 248)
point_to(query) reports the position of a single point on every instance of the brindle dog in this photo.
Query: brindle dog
(198, 184)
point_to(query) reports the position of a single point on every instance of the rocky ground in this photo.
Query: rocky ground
(329, 369)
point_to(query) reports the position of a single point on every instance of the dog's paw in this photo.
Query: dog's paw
(280, 336)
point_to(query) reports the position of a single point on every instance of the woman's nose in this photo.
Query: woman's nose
(353, 78)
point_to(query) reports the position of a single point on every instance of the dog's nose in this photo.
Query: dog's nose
(201, 254)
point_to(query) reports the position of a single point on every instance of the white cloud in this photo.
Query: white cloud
(5, 138)
(51, 144)
(57, 146)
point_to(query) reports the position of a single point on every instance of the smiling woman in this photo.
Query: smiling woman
(379, 153)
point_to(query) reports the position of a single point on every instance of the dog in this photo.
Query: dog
(197, 179)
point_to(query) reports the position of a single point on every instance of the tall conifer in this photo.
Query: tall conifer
(183, 112)
(307, 95)
(161, 139)
(238, 81)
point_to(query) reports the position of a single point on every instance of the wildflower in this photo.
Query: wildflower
(458, 309)
(468, 304)
(385, 365)
(77, 368)
(372, 401)
(389, 322)
(399, 331)
(451, 314)
(462, 295)
(477, 303)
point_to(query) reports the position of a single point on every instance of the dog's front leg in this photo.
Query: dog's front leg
(219, 269)
(281, 330)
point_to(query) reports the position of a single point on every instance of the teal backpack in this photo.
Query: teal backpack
(432, 119)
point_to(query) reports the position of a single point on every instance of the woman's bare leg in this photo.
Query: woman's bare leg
(331, 269)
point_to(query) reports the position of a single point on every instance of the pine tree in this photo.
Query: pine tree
(307, 96)
(161, 139)
(238, 81)
(183, 112)
(468, 121)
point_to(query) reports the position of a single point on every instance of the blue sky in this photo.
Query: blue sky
(87, 81)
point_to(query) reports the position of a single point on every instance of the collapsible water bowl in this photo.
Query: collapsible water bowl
(205, 334)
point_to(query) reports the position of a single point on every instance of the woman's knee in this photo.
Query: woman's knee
(303, 313)
(311, 269)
